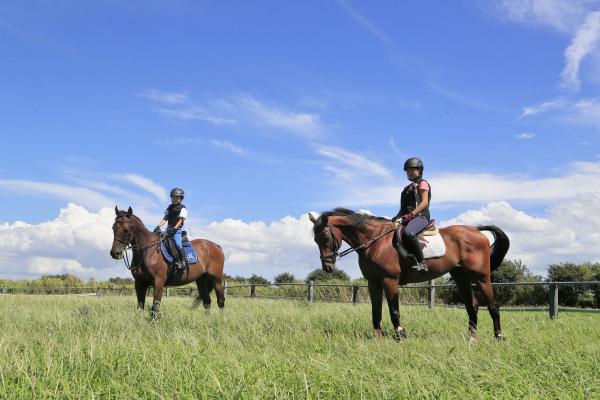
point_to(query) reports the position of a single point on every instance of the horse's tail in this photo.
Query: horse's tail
(500, 246)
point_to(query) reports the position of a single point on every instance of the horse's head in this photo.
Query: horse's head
(123, 232)
(328, 239)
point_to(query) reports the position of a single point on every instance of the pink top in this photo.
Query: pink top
(423, 185)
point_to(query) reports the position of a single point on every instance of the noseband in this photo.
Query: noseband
(336, 246)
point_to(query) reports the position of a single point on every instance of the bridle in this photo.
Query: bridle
(127, 245)
(332, 258)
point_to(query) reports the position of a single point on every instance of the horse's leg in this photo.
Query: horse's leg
(220, 292)
(376, 294)
(463, 284)
(204, 287)
(159, 283)
(140, 292)
(390, 286)
(486, 287)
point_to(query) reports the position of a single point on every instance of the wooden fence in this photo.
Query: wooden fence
(312, 291)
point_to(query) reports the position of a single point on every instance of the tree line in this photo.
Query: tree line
(509, 271)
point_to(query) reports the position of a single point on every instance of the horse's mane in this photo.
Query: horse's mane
(124, 213)
(357, 219)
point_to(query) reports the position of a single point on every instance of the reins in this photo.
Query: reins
(335, 256)
(129, 246)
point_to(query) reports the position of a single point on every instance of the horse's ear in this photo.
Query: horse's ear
(116, 210)
(312, 218)
(129, 212)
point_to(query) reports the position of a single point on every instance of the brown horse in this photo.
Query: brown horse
(468, 259)
(149, 267)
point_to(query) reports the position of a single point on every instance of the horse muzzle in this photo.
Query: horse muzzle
(117, 255)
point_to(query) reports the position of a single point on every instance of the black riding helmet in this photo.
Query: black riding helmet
(413, 162)
(177, 192)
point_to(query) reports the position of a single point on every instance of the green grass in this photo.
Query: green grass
(88, 347)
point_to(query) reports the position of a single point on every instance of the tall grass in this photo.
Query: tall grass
(88, 347)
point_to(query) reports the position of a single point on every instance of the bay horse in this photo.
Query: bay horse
(468, 259)
(149, 267)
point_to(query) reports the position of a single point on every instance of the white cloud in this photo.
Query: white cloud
(245, 109)
(364, 22)
(583, 43)
(570, 232)
(561, 15)
(77, 241)
(525, 136)
(88, 197)
(165, 97)
(232, 147)
(451, 187)
(544, 107)
(348, 164)
(301, 124)
(148, 185)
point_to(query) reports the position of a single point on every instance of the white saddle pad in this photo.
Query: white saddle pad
(433, 246)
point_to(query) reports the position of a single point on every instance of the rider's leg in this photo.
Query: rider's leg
(182, 262)
(414, 227)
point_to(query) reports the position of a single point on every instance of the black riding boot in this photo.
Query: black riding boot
(412, 242)
(182, 263)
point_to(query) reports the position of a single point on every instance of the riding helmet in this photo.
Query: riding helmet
(177, 192)
(413, 162)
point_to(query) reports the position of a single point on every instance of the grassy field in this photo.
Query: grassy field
(88, 347)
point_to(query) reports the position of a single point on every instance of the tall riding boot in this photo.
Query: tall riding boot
(182, 259)
(414, 246)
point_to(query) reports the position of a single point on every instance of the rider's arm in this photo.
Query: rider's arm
(178, 224)
(162, 222)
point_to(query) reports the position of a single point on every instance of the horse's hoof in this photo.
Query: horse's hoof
(500, 337)
(400, 334)
(377, 333)
(472, 339)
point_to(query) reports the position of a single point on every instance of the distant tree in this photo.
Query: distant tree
(118, 281)
(239, 278)
(285, 277)
(227, 277)
(575, 295)
(257, 279)
(318, 275)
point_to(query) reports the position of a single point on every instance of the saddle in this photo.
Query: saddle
(169, 250)
(430, 239)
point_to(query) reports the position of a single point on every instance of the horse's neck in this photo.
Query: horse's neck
(142, 235)
(351, 234)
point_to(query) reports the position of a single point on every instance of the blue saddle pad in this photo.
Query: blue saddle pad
(190, 252)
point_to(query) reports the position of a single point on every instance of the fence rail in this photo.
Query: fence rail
(311, 291)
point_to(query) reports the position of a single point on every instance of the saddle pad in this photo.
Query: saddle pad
(190, 253)
(433, 246)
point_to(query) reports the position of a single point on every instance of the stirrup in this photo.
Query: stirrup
(420, 266)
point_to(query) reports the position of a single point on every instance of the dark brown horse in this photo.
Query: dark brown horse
(149, 267)
(467, 259)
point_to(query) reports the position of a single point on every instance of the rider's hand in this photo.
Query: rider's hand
(397, 222)
(157, 230)
(171, 231)
(407, 217)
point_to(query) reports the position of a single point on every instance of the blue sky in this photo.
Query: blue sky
(262, 110)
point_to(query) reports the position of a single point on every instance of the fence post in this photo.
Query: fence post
(167, 293)
(98, 291)
(431, 297)
(122, 291)
(113, 289)
(553, 294)
(355, 294)
(311, 291)
(191, 291)
(252, 290)
(225, 286)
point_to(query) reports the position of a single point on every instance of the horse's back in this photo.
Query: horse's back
(211, 255)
